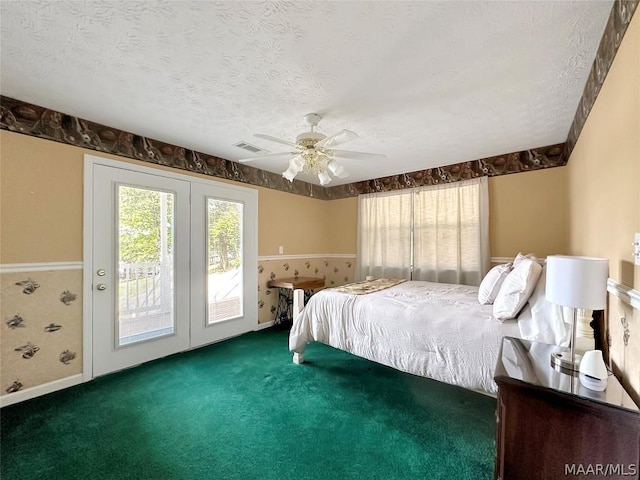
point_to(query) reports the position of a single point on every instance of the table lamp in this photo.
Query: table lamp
(575, 282)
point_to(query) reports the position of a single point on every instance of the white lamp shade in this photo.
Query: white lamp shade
(577, 282)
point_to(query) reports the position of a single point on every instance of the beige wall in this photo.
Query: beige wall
(342, 221)
(294, 222)
(528, 212)
(41, 200)
(604, 192)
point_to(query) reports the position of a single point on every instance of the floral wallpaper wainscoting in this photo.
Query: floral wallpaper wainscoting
(335, 270)
(41, 329)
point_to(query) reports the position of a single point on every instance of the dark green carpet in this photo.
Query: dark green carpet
(242, 410)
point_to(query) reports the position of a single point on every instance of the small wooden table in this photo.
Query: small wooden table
(285, 287)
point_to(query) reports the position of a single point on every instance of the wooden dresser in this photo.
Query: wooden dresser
(549, 426)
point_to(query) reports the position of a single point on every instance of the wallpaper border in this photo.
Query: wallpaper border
(619, 19)
(28, 119)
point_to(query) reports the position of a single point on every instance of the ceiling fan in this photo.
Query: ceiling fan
(314, 152)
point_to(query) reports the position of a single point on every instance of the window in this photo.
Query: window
(436, 233)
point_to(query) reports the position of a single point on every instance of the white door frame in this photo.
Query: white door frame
(250, 261)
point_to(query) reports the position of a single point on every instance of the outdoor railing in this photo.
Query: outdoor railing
(145, 287)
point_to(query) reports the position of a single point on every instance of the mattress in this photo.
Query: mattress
(433, 330)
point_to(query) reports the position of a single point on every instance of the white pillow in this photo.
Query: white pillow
(491, 283)
(520, 257)
(516, 289)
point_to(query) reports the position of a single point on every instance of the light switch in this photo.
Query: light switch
(280, 249)
(636, 249)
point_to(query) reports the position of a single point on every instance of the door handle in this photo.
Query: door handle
(101, 286)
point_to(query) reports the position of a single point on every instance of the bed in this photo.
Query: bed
(433, 330)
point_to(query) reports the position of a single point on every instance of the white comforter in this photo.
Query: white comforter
(429, 329)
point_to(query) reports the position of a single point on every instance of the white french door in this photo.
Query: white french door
(223, 264)
(171, 263)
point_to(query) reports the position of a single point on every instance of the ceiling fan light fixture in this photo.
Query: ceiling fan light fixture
(296, 165)
(289, 174)
(314, 152)
(324, 178)
(336, 169)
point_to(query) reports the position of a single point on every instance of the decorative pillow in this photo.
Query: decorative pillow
(491, 283)
(520, 257)
(516, 289)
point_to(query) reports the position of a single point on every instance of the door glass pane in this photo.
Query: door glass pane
(224, 265)
(145, 260)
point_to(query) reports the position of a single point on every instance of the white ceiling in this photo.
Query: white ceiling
(427, 83)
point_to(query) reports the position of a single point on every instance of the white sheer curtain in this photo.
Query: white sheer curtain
(384, 235)
(438, 233)
(451, 234)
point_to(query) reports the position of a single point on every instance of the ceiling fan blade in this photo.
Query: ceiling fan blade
(343, 136)
(357, 155)
(274, 139)
(272, 156)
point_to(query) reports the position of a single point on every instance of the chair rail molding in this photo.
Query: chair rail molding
(625, 293)
(499, 260)
(306, 255)
(39, 267)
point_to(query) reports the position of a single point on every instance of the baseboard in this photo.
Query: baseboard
(22, 395)
(262, 326)
(625, 293)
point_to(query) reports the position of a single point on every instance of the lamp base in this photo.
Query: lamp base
(561, 362)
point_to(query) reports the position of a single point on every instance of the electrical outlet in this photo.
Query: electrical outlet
(636, 249)
(280, 249)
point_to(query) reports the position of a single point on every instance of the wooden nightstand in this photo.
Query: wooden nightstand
(548, 426)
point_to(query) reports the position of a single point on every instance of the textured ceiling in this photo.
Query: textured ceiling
(426, 83)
